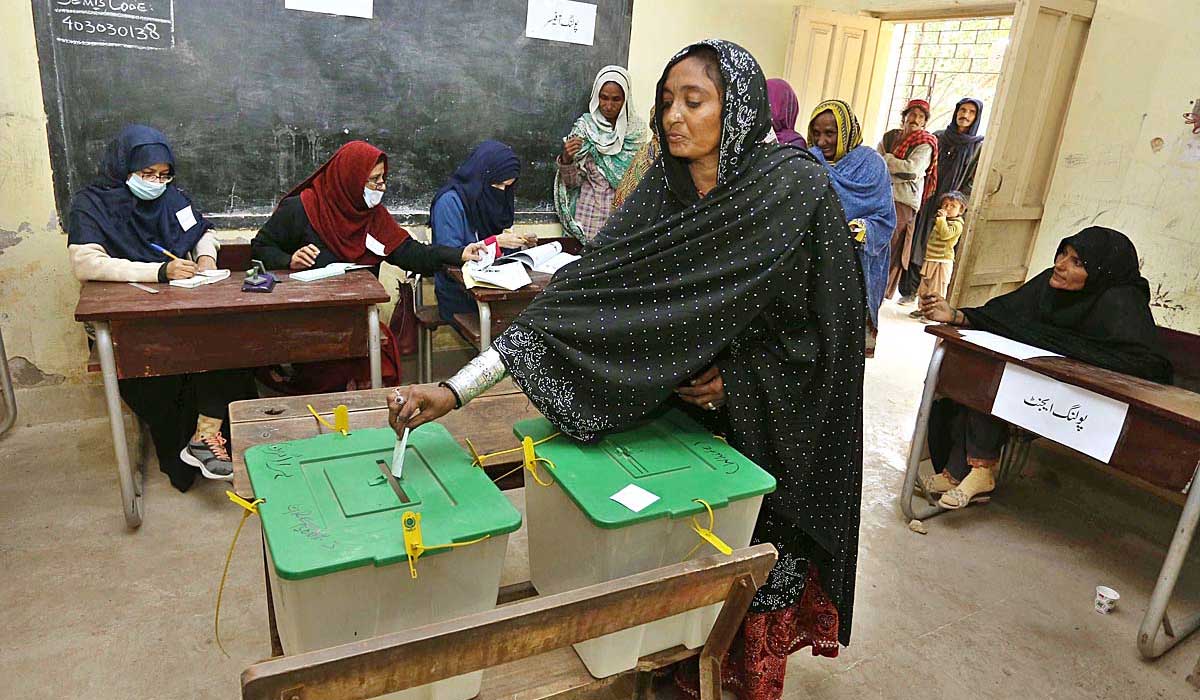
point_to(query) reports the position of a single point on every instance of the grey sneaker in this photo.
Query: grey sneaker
(906, 300)
(208, 454)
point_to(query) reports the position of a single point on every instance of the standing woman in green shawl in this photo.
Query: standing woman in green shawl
(596, 155)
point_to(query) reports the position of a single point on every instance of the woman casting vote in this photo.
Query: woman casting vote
(729, 280)
(335, 216)
(133, 224)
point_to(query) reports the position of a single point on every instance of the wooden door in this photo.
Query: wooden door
(831, 55)
(1021, 148)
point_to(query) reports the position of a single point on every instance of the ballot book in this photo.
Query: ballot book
(548, 258)
(201, 278)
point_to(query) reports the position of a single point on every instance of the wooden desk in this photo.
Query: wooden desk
(218, 326)
(1158, 449)
(497, 307)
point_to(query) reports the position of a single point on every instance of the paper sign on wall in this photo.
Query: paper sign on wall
(1069, 415)
(561, 20)
(348, 8)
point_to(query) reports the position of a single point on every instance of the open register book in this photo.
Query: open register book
(201, 278)
(547, 258)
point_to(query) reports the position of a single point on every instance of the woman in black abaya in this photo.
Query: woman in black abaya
(1093, 306)
(728, 279)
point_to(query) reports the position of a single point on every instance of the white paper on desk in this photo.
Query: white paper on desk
(511, 277)
(561, 20)
(1069, 415)
(634, 498)
(201, 278)
(348, 8)
(1004, 346)
(330, 270)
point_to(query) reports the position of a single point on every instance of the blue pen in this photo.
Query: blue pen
(164, 251)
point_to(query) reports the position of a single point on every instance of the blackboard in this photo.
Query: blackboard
(254, 96)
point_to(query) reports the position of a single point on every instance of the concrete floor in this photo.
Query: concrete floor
(995, 602)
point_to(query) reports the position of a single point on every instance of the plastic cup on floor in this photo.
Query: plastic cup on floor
(1106, 599)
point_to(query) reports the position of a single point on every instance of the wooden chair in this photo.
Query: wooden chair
(403, 660)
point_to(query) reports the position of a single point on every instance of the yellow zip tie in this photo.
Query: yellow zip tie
(341, 419)
(531, 460)
(706, 533)
(414, 547)
(251, 508)
(478, 459)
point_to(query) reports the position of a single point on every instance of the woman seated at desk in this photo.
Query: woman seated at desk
(334, 216)
(118, 229)
(1092, 306)
(475, 205)
(727, 279)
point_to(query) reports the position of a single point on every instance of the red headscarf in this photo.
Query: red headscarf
(333, 200)
(916, 138)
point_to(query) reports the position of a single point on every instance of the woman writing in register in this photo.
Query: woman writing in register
(727, 279)
(117, 231)
(1093, 306)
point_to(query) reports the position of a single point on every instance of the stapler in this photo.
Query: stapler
(258, 279)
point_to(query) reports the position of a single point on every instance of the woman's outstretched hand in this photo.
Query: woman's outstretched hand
(473, 252)
(417, 404)
(706, 390)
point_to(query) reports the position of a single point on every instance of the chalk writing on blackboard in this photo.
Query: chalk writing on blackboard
(148, 25)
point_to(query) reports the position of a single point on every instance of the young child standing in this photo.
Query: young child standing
(939, 252)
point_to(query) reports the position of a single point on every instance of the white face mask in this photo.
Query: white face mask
(372, 197)
(144, 189)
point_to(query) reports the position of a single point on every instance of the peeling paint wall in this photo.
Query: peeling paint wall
(37, 291)
(1127, 160)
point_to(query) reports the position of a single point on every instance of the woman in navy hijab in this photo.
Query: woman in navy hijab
(476, 204)
(119, 230)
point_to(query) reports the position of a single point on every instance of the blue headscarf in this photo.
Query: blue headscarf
(489, 210)
(862, 182)
(107, 213)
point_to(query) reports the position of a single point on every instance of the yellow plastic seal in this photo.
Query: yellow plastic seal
(414, 546)
(706, 533)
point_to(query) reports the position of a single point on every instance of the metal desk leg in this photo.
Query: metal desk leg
(373, 343)
(1157, 633)
(485, 325)
(131, 492)
(6, 386)
(910, 509)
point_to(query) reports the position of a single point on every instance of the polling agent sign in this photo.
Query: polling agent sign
(1069, 415)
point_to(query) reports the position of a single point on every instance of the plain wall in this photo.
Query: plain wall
(1137, 78)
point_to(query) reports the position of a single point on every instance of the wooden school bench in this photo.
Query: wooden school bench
(217, 326)
(1157, 450)
(523, 647)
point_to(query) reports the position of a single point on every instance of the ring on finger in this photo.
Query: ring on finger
(710, 406)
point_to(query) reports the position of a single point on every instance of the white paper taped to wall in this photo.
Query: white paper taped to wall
(561, 20)
(348, 8)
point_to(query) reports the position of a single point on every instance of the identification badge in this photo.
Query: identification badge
(186, 218)
(374, 245)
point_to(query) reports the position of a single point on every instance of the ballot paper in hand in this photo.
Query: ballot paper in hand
(484, 262)
(398, 454)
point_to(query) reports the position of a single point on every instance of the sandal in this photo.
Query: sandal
(937, 484)
(973, 489)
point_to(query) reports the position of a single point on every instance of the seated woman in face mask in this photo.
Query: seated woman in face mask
(334, 215)
(120, 229)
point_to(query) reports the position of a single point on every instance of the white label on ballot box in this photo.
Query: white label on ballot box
(1069, 415)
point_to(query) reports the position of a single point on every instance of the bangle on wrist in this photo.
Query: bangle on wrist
(457, 400)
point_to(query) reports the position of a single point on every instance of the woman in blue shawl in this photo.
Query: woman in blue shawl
(861, 180)
(121, 229)
(475, 205)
